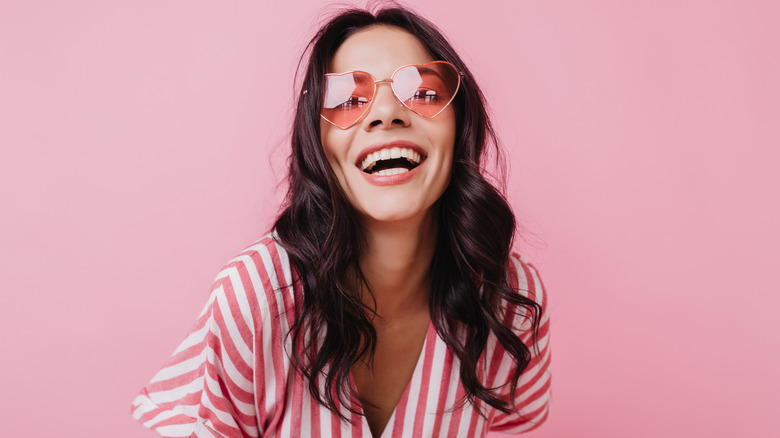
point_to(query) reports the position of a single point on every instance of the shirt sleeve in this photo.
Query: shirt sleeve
(533, 394)
(206, 388)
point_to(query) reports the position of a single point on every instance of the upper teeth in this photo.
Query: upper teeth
(390, 153)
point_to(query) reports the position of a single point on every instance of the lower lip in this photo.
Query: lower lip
(388, 180)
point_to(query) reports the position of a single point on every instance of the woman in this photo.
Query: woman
(386, 302)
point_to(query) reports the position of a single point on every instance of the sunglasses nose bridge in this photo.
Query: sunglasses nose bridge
(383, 81)
(389, 82)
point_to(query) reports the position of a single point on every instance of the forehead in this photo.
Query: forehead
(379, 50)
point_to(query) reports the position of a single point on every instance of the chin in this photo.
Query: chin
(392, 214)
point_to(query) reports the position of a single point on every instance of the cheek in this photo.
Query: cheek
(447, 133)
(335, 144)
(329, 142)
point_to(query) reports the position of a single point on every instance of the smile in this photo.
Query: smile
(391, 159)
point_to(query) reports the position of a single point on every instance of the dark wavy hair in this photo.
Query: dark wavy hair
(470, 291)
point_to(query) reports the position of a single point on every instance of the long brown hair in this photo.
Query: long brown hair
(318, 228)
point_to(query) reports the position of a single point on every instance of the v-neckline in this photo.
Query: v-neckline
(404, 395)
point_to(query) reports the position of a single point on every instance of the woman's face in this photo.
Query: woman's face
(380, 50)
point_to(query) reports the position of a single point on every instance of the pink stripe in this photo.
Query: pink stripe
(208, 414)
(335, 421)
(175, 420)
(474, 414)
(190, 399)
(531, 284)
(316, 425)
(289, 402)
(443, 392)
(537, 416)
(400, 414)
(176, 382)
(335, 426)
(514, 281)
(539, 393)
(277, 349)
(357, 422)
(473, 423)
(228, 346)
(249, 292)
(499, 354)
(297, 404)
(283, 287)
(455, 417)
(193, 350)
(224, 402)
(234, 307)
(259, 370)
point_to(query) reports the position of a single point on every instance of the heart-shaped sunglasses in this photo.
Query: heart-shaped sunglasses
(425, 89)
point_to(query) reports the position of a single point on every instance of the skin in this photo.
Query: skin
(398, 220)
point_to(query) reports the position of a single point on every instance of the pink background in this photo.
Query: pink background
(143, 145)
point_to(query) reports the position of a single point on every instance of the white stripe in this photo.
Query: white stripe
(235, 335)
(325, 414)
(284, 430)
(346, 426)
(241, 293)
(224, 417)
(530, 424)
(142, 405)
(195, 337)
(226, 368)
(183, 367)
(268, 264)
(480, 423)
(175, 430)
(306, 420)
(269, 377)
(465, 420)
(435, 385)
(171, 395)
(254, 274)
(388, 432)
(217, 363)
(508, 365)
(530, 374)
(201, 431)
(522, 399)
(414, 391)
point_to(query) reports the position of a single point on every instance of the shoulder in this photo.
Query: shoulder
(259, 278)
(525, 279)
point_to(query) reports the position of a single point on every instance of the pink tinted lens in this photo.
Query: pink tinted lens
(426, 89)
(347, 97)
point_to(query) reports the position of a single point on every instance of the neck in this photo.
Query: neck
(396, 264)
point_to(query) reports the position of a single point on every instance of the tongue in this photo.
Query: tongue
(395, 163)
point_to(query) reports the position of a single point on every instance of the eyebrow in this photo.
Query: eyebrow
(423, 69)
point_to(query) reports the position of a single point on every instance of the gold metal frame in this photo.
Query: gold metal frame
(390, 81)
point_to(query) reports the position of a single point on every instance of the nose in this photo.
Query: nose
(386, 110)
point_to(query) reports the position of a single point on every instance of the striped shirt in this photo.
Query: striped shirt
(231, 376)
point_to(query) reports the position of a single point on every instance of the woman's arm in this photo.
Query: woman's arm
(533, 394)
(207, 388)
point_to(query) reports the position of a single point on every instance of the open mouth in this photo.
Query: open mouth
(391, 161)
